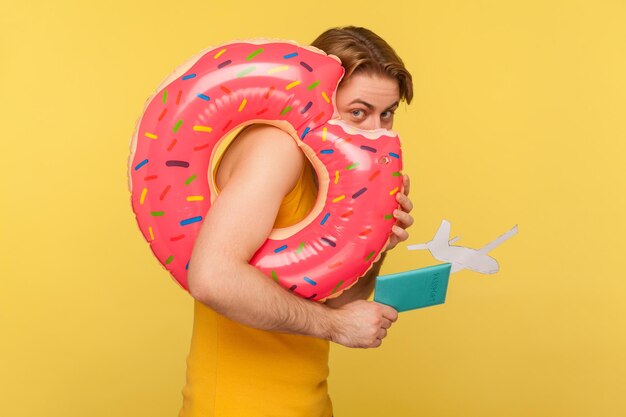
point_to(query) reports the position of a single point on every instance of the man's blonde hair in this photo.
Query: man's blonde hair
(362, 51)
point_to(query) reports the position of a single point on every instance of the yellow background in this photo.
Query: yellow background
(518, 119)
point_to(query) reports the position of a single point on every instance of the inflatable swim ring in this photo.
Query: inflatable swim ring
(289, 86)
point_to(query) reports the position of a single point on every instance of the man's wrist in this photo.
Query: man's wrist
(326, 323)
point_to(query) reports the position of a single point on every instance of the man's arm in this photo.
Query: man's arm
(237, 224)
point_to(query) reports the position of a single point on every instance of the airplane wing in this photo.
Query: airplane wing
(498, 241)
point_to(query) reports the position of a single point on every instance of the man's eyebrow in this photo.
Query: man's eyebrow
(370, 106)
(394, 105)
(365, 103)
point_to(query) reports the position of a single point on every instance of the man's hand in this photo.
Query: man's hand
(404, 219)
(361, 324)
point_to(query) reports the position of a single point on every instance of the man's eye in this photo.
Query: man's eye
(388, 114)
(357, 113)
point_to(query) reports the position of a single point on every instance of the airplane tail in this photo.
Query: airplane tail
(441, 237)
(443, 233)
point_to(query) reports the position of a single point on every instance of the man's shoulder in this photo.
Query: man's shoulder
(267, 143)
(262, 150)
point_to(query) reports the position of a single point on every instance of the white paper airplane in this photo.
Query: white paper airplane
(461, 257)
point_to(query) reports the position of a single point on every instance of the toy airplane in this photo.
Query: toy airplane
(461, 257)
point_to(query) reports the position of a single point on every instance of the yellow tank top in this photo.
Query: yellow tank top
(236, 370)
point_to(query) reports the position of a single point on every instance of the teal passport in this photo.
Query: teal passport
(413, 289)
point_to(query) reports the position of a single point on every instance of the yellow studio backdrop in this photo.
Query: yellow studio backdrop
(518, 118)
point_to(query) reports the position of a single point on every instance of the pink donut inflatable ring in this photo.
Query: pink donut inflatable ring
(292, 87)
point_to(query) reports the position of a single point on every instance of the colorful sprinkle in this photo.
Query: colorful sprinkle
(335, 265)
(313, 85)
(225, 89)
(324, 131)
(223, 64)
(347, 213)
(341, 197)
(291, 55)
(187, 265)
(269, 92)
(327, 151)
(195, 198)
(367, 258)
(253, 54)
(368, 148)
(307, 66)
(174, 163)
(395, 155)
(307, 107)
(227, 124)
(286, 110)
(326, 99)
(365, 232)
(243, 104)
(175, 238)
(151, 233)
(309, 280)
(178, 96)
(172, 144)
(328, 241)
(392, 192)
(280, 249)
(305, 132)
(352, 166)
(199, 148)
(292, 85)
(358, 193)
(388, 217)
(311, 296)
(203, 97)
(151, 135)
(188, 76)
(374, 175)
(217, 55)
(190, 220)
(246, 71)
(142, 163)
(278, 69)
(319, 116)
(164, 96)
(143, 195)
(396, 174)
(274, 276)
(200, 128)
(262, 111)
(178, 125)
(293, 287)
(325, 218)
(162, 115)
(150, 177)
(300, 247)
(157, 213)
(190, 179)
(336, 287)
(164, 193)
(336, 177)
(169, 260)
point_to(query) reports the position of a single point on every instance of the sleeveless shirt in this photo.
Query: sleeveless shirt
(239, 371)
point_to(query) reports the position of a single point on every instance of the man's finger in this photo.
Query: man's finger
(407, 184)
